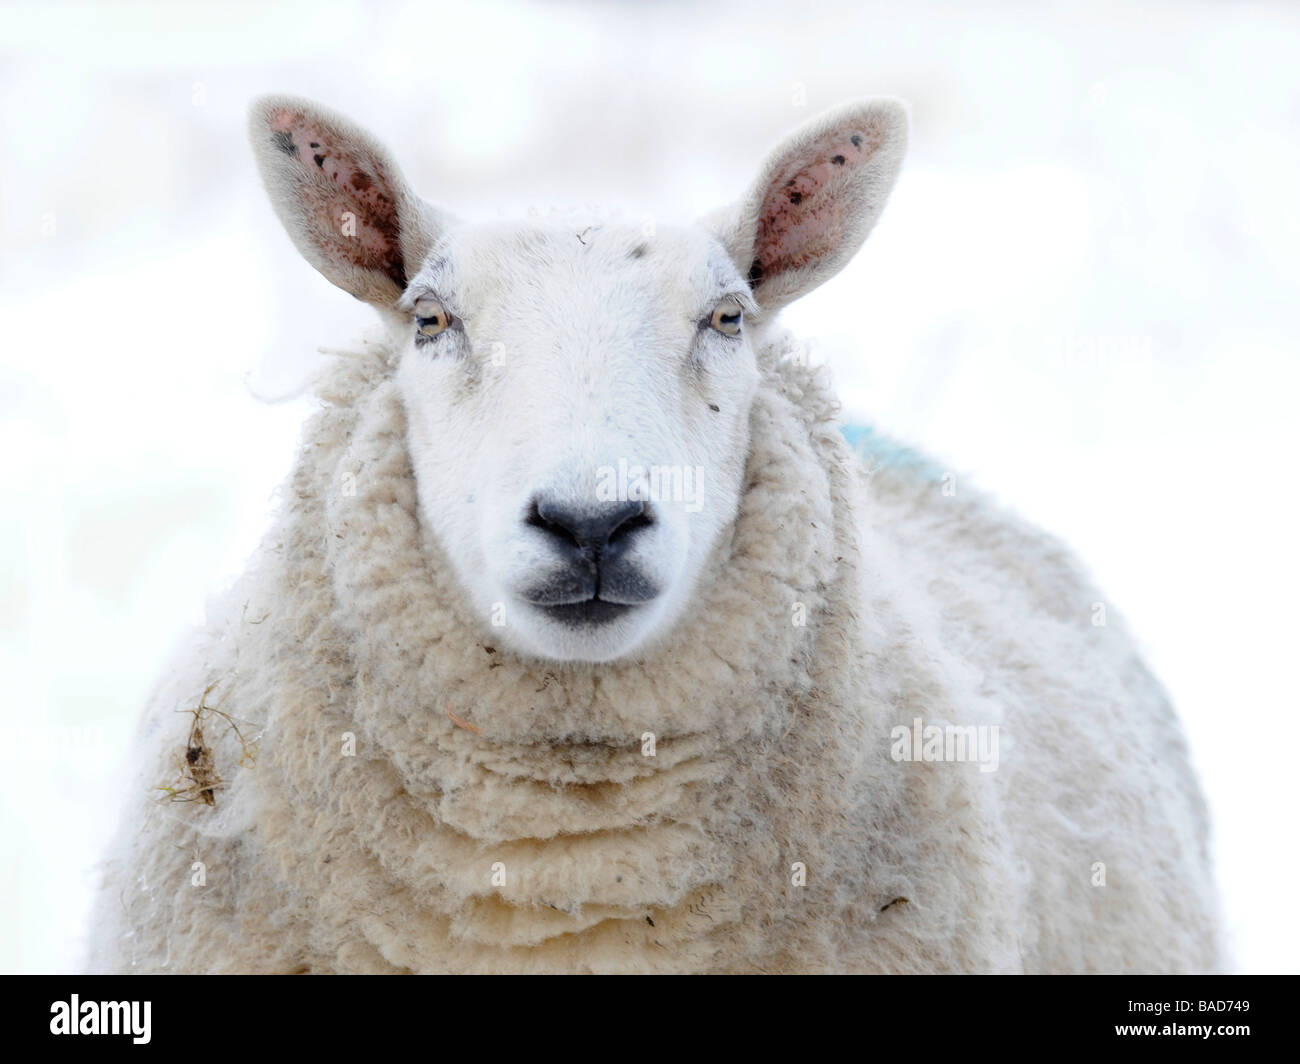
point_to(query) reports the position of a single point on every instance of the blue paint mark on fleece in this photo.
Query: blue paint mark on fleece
(878, 451)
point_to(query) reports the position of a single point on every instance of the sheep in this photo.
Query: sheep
(492, 698)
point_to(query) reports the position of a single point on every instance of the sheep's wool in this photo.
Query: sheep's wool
(414, 798)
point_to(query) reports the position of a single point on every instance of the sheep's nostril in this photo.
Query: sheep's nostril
(549, 525)
(589, 528)
(632, 524)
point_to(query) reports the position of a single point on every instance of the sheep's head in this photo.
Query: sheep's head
(577, 393)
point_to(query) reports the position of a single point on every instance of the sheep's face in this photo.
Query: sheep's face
(578, 402)
(578, 394)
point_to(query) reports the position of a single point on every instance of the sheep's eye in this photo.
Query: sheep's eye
(431, 318)
(727, 317)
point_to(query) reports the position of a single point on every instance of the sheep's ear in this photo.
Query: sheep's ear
(816, 198)
(341, 198)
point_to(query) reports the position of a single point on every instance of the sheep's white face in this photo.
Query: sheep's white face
(578, 424)
(577, 395)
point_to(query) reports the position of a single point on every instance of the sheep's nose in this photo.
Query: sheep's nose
(598, 530)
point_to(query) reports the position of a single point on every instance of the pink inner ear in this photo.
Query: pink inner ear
(803, 214)
(338, 180)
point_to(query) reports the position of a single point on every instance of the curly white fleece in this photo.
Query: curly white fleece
(535, 835)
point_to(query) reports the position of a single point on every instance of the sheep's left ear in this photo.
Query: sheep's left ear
(816, 198)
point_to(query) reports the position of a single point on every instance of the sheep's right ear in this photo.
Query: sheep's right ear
(341, 198)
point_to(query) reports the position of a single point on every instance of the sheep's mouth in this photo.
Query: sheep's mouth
(590, 613)
(591, 596)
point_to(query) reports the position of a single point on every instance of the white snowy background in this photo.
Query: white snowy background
(1085, 294)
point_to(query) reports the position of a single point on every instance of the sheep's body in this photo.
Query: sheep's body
(533, 832)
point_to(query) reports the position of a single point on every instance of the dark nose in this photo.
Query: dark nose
(600, 530)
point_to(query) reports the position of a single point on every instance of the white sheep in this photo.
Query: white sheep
(584, 641)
